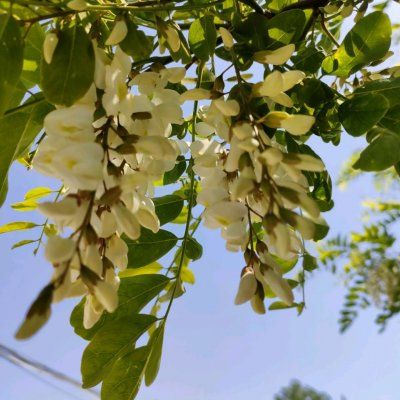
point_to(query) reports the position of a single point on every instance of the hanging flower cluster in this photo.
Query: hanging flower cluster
(107, 166)
(247, 178)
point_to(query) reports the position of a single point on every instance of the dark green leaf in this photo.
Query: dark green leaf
(149, 247)
(308, 59)
(168, 207)
(391, 120)
(25, 123)
(286, 27)
(70, 74)
(133, 294)
(309, 262)
(361, 113)
(382, 153)
(390, 88)
(32, 56)
(123, 381)
(174, 174)
(368, 41)
(136, 43)
(11, 58)
(252, 31)
(193, 249)
(203, 37)
(111, 343)
(155, 344)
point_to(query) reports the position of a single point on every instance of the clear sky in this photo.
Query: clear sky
(214, 350)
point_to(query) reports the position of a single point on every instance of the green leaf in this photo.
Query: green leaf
(368, 41)
(27, 205)
(25, 123)
(280, 305)
(32, 56)
(314, 93)
(11, 58)
(38, 193)
(203, 37)
(193, 249)
(168, 207)
(175, 173)
(70, 74)
(308, 59)
(252, 31)
(359, 114)
(382, 153)
(136, 43)
(155, 344)
(109, 344)
(134, 293)
(390, 88)
(152, 268)
(123, 381)
(17, 226)
(285, 265)
(391, 120)
(309, 262)
(286, 27)
(149, 247)
(22, 243)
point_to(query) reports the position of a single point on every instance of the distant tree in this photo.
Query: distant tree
(297, 391)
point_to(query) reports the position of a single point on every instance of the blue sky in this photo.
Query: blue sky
(214, 350)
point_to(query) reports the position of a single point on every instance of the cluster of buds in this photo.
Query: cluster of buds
(108, 167)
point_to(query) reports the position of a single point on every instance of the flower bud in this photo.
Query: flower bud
(118, 33)
(49, 46)
(227, 38)
(257, 304)
(275, 57)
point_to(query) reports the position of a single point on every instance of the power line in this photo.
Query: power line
(36, 369)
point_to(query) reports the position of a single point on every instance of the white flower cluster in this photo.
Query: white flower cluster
(247, 177)
(107, 167)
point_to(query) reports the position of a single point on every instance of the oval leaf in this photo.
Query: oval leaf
(70, 74)
(368, 41)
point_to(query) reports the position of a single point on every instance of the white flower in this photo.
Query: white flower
(117, 252)
(49, 46)
(65, 213)
(106, 291)
(91, 259)
(278, 285)
(295, 124)
(74, 123)
(275, 57)
(118, 33)
(105, 225)
(79, 165)
(247, 287)
(223, 214)
(126, 221)
(59, 249)
(148, 219)
(276, 83)
(92, 311)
